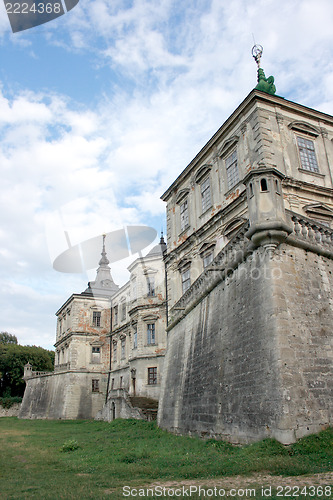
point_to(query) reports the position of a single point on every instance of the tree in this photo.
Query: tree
(7, 338)
(13, 357)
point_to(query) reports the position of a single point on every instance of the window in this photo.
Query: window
(115, 311)
(114, 352)
(95, 354)
(121, 382)
(151, 286)
(263, 185)
(112, 384)
(307, 154)
(208, 258)
(232, 170)
(123, 344)
(95, 385)
(133, 289)
(184, 220)
(205, 195)
(135, 339)
(123, 311)
(186, 280)
(152, 376)
(95, 350)
(96, 318)
(151, 333)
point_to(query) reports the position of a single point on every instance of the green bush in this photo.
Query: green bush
(70, 445)
(9, 401)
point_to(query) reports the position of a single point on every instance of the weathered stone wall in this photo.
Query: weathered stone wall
(63, 396)
(13, 411)
(254, 357)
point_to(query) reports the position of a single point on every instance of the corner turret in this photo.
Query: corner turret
(268, 221)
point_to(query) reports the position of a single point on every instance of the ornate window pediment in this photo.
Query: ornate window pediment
(209, 245)
(228, 145)
(304, 127)
(318, 210)
(181, 195)
(183, 263)
(150, 317)
(233, 226)
(202, 172)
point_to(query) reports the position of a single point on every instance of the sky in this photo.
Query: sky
(102, 108)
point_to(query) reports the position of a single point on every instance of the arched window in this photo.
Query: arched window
(263, 185)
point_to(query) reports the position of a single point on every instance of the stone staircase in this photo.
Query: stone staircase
(147, 406)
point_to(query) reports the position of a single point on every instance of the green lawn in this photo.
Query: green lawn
(43, 459)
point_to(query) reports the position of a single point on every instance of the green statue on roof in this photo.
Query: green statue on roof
(264, 84)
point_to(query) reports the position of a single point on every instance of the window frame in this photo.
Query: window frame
(96, 319)
(115, 314)
(184, 220)
(205, 205)
(152, 375)
(151, 333)
(231, 167)
(151, 291)
(184, 271)
(95, 385)
(123, 348)
(306, 159)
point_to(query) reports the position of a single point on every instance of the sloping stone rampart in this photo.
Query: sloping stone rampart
(253, 357)
(62, 395)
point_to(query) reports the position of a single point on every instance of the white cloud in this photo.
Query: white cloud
(176, 72)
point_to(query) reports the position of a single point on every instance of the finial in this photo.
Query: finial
(264, 84)
(257, 51)
(162, 242)
(104, 260)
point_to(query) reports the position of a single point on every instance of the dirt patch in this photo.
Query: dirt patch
(255, 481)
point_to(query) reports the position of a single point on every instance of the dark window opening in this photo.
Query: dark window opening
(95, 385)
(263, 185)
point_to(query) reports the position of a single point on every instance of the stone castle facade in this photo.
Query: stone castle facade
(250, 277)
(230, 327)
(88, 375)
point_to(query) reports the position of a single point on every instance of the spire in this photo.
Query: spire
(103, 284)
(264, 84)
(104, 260)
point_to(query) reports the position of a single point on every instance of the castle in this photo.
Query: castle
(249, 276)
(88, 372)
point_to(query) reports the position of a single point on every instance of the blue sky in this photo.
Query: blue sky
(102, 108)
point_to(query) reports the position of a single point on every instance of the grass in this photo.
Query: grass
(43, 459)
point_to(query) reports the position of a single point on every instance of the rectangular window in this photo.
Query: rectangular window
(151, 333)
(232, 170)
(112, 383)
(123, 344)
(95, 385)
(95, 350)
(115, 352)
(184, 220)
(121, 382)
(207, 259)
(205, 195)
(115, 313)
(152, 376)
(135, 339)
(133, 289)
(151, 286)
(186, 280)
(123, 311)
(307, 154)
(96, 318)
